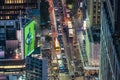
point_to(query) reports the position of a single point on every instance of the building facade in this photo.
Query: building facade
(12, 67)
(90, 46)
(12, 38)
(110, 52)
(8, 39)
(36, 69)
(10, 9)
(94, 11)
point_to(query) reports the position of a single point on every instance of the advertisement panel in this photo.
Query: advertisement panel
(29, 38)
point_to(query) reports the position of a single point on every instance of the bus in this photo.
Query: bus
(70, 25)
(57, 45)
(70, 32)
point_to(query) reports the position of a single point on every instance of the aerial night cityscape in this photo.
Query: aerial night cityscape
(59, 40)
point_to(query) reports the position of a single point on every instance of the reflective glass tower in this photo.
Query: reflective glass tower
(110, 40)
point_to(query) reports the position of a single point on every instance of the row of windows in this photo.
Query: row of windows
(12, 12)
(96, 12)
(17, 6)
(14, 1)
(19, 1)
(10, 34)
(13, 7)
(8, 17)
(96, 21)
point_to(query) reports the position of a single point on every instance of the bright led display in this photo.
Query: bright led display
(29, 38)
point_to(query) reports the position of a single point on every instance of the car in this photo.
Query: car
(59, 38)
(58, 23)
(58, 56)
(61, 42)
(62, 45)
(57, 18)
(60, 34)
(64, 60)
(66, 71)
(55, 8)
(59, 31)
(76, 74)
(63, 55)
(68, 15)
(56, 14)
(73, 77)
(67, 10)
(62, 49)
(59, 28)
(61, 8)
(96, 78)
(62, 52)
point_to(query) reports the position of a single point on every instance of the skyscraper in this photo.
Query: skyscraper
(90, 48)
(110, 48)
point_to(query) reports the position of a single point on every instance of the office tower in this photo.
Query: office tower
(90, 42)
(36, 68)
(8, 39)
(10, 9)
(110, 40)
(14, 50)
(11, 47)
(94, 10)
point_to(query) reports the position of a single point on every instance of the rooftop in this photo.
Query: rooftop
(46, 46)
(94, 35)
(94, 46)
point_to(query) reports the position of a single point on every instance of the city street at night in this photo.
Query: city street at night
(59, 39)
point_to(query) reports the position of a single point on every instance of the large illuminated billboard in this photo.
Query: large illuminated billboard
(29, 38)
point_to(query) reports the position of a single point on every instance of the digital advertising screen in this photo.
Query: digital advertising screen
(29, 38)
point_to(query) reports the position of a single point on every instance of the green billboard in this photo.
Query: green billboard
(29, 38)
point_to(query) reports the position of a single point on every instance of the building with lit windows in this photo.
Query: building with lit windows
(10, 39)
(94, 12)
(12, 67)
(12, 58)
(110, 40)
(13, 17)
(36, 68)
(10, 9)
(90, 42)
